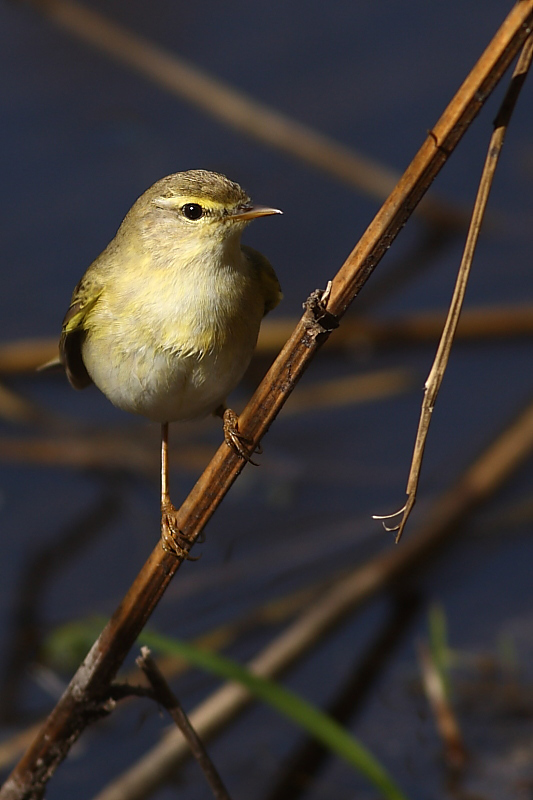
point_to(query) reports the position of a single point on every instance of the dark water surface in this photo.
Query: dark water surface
(80, 138)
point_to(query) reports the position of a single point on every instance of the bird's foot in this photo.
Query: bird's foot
(239, 443)
(172, 539)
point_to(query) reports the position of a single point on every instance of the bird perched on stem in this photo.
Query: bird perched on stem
(166, 319)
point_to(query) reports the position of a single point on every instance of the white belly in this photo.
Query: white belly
(166, 387)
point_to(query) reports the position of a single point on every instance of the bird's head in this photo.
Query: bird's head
(197, 207)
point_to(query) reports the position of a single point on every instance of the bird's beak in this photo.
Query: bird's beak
(251, 212)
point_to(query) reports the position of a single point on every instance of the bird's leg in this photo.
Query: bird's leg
(239, 443)
(172, 540)
(165, 497)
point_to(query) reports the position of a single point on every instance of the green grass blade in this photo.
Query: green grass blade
(304, 714)
(438, 643)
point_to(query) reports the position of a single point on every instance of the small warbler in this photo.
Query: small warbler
(166, 319)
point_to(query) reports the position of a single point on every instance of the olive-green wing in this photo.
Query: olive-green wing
(73, 333)
(269, 280)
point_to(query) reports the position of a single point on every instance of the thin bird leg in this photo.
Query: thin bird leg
(172, 540)
(165, 497)
(239, 443)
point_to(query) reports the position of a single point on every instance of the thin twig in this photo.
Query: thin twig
(93, 677)
(440, 363)
(273, 612)
(167, 698)
(395, 566)
(125, 691)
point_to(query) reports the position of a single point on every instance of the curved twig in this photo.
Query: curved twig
(440, 363)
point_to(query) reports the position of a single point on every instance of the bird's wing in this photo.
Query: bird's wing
(73, 331)
(268, 278)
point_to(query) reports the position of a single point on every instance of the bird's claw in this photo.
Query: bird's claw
(172, 539)
(239, 443)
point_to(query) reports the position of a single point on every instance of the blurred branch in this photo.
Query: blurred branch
(309, 757)
(348, 390)
(423, 326)
(98, 450)
(12, 747)
(15, 408)
(393, 568)
(237, 109)
(322, 312)
(440, 363)
(445, 718)
(26, 355)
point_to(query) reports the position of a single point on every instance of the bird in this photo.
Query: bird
(165, 320)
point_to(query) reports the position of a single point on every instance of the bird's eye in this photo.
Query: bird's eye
(192, 210)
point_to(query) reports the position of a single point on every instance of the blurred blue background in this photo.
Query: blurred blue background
(81, 137)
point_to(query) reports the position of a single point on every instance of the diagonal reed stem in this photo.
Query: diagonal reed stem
(90, 683)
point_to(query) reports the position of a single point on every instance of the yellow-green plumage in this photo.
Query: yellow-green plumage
(165, 320)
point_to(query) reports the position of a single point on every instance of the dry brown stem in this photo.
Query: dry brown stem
(479, 482)
(274, 612)
(80, 701)
(440, 363)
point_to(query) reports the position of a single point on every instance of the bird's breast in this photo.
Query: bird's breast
(173, 345)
